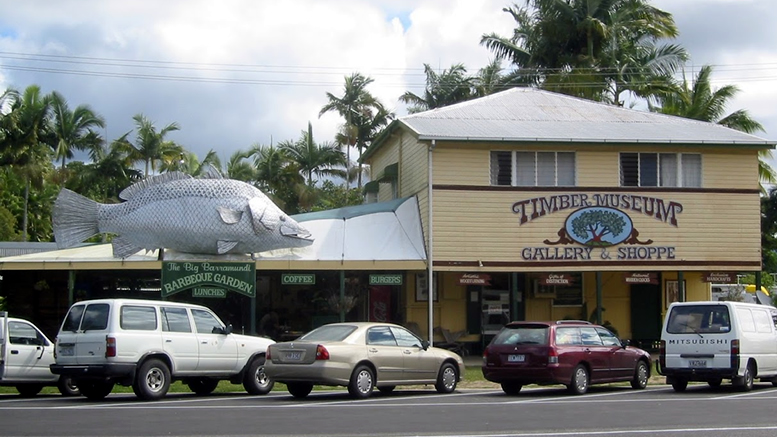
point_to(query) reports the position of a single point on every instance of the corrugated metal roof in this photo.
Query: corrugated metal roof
(529, 114)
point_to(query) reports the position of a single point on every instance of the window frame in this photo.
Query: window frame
(494, 177)
(679, 174)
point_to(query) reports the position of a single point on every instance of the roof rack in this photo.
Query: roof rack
(576, 322)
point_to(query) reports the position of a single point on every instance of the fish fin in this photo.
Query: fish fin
(131, 191)
(225, 246)
(230, 216)
(211, 172)
(122, 248)
(258, 208)
(74, 218)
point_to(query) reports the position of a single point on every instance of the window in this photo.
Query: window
(608, 338)
(175, 320)
(73, 318)
(590, 337)
(138, 318)
(660, 169)
(529, 169)
(405, 338)
(24, 333)
(206, 322)
(568, 336)
(95, 317)
(381, 336)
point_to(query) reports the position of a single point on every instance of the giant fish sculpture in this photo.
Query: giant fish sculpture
(208, 215)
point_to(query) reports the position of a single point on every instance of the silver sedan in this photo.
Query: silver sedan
(361, 356)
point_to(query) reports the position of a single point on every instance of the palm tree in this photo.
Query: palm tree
(592, 49)
(239, 168)
(492, 78)
(108, 173)
(364, 114)
(73, 130)
(314, 159)
(277, 175)
(150, 146)
(699, 101)
(451, 86)
(23, 150)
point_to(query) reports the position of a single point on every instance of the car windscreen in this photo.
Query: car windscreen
(699, 319)
(524, 334)
(329, 333)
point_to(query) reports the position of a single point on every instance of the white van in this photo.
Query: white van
(148, 344)
(717, 340)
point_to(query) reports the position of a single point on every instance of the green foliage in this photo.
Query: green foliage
(7, 225)
(333, 196)
(597, 223)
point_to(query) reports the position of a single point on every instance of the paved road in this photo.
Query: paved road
(609, 411)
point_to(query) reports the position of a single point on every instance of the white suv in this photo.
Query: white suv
(149, 344)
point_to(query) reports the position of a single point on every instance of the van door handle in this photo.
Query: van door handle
(14, 352)
(168, 341)
(204, 342)
(373, 350)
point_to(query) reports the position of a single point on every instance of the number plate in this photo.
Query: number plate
(697, 363)
(516, 358)
(294, 356)
(66, 351)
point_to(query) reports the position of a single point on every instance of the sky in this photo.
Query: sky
(238, 73)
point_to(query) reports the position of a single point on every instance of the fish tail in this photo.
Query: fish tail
(74, 218)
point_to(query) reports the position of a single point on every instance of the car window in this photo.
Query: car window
(608, 338)
(175, 320)
(205, 322)
(138, 318)
(24, 333)
(329, 333)
(73, 318)
(406, 338)
(95, 317)
(531, 334)
(762, 321)
(568, 336)
(701, 319)
(590, 337)
(380, 336)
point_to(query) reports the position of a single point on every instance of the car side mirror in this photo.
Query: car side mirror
(228, 330)
(625, 343)
(424, 344)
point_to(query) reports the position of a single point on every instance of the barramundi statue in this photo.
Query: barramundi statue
(205, 215)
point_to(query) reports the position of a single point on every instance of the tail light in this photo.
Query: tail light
(735, 354)
(662, 354)
(110, 347)
(485, 355)
(321, 353)
(552, 355)
(267, 356)
(55, 348)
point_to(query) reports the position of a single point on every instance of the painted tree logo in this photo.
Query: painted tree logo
(597, 226)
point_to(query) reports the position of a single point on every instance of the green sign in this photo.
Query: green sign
(298, 279)
(395, 279)
(208, 292)
(184, 275)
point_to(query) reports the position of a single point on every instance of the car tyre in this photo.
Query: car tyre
(202, 386)
(447, 379)
(745, 382)
(95, 390)
(580, 381)
(255, 380)
(152, 381)
(679, 384)
(641, 375)
(299, 389)
(362, 382)
(386, 389)
(511, 388)
(67, 386)
(29, 390)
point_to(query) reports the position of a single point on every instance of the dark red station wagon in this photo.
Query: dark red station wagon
(569, 352)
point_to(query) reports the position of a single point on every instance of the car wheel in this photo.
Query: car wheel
(255, 380)
(447, 379)
(203, 386)
(715, 383)
(745, 382)
(579, 383)
(152, 381)
(95, 391)
(386, 389)
(679, 384)
(67, 386)
(640, 380)
(299, 389)
(362, 382)
(29, 390)
(511, 388)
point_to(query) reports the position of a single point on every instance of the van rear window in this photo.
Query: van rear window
(699, 319)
